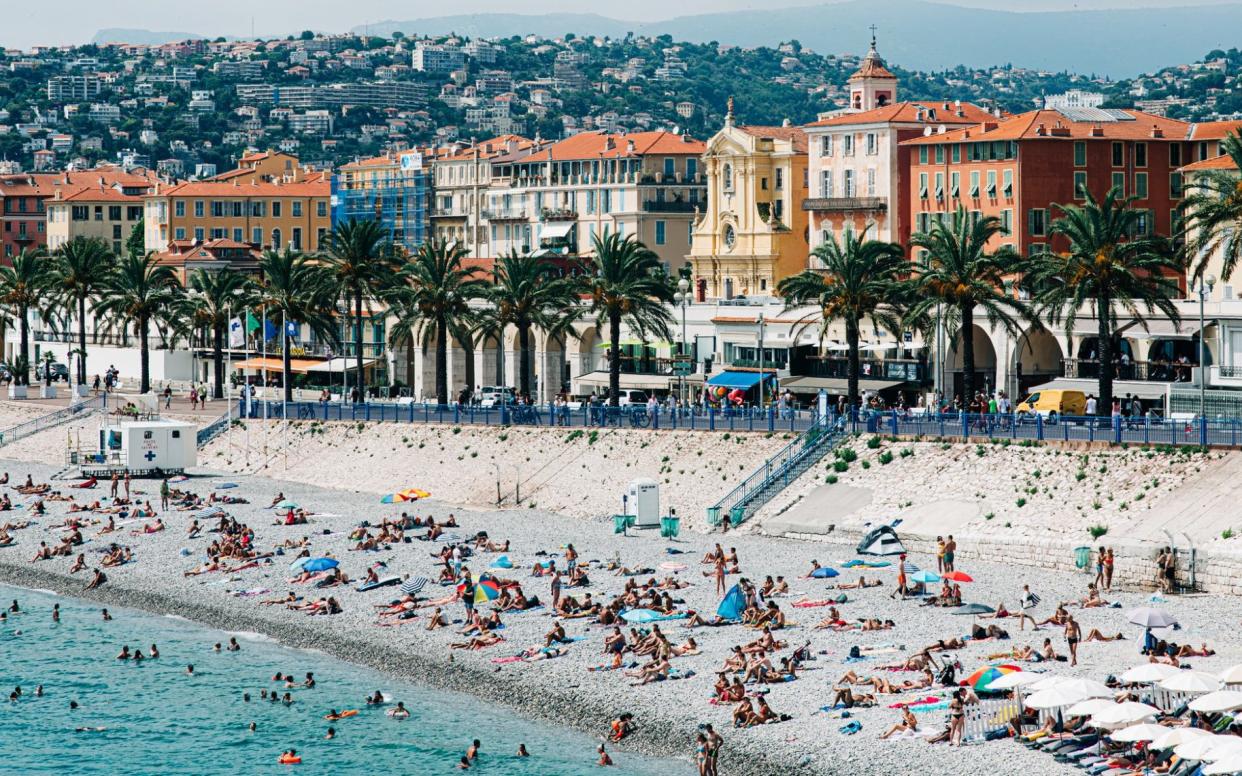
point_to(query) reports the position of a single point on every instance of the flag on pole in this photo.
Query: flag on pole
(291, 329)
(269, 329)
(252, 323)
(237, 335)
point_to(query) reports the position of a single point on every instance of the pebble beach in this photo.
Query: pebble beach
(563, 690)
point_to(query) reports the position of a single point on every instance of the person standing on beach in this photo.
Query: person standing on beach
(556, 589)
(116, 483)
(467, 593)
(1108, 568)
(950, 549)
(714, 744)
(164, 494)
(127, 484)
(901, 578)
(940, 569)
(1099, 567)
(1072, 635)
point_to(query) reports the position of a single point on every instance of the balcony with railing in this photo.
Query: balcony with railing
(1146, 371)
(837, 366)
(505, 214)
(447, 212)
(654, 206)
(558, 214)
(876, 204)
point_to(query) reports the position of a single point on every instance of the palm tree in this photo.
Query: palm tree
(624, 281)
(1213, 209)
(432, 300)
(24, 287)
(140, 292)
(528, 293)
(858, 279)
(959, 278)
(364, 262)
(216, 296)
(79, 272)
(1109, 265)
(298, 291)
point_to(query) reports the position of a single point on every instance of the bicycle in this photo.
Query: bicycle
(639, 417)
(524, 413)
(306, 412)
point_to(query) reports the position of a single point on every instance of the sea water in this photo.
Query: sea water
(156, 719)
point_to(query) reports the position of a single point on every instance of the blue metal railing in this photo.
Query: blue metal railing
(218, 426)
(53, 419)
(778, 471)
(695, 418)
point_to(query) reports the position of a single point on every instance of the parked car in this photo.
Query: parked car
(57, 370)
(495, 395)
(627, 397)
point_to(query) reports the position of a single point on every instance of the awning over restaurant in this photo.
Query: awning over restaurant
(1165, 329)
(339, 365)
(743, 380)
(628, 381)
(835, 384)
(296, 365)
(556, 231)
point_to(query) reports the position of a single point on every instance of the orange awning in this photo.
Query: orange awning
(296, 365)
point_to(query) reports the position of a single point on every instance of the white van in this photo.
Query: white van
(628, 397)
(495, 395)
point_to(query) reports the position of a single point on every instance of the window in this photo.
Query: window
(923, 154)
(1080, 153)
(179, 209)
(1080, 185)
(780, 179)
(939, 154)
(256, 235)
(198, 234)
(1175, 185)
(276, 210)
(728, 177)
(1175, 154)
(991, 190)
(1140, 185)
(179, 233)
(660, 233)
(99, 213)
(1119, 154)
(134, 213)
(1038, 248)
(1140, 154)
(957, 153)
(826, 184)
(297, 239)
(873, 146)
(871, 182)
(276, 242)
(763, 183)
(848, 184)
(1007, 219)
(1007, 183)
(114, 212)
(922, 185)
(198, 208)
(239, 209)
(976, 152)
(924, 221)
(939, 184)
(217, 208)
(116, 231)
(297, 208)
(670, 167)
(825, 147)
(1142, 224)
(955, 184)
(848, 145)
(1119, 183)
(176, 434)
(1203, 151)
(219, 234)
(1037, 222)
(974, 183)
(692, 168)
(238, 234)
(80, 213)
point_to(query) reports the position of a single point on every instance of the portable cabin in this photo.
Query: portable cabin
(142, 447)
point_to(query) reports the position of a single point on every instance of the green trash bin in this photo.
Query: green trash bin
(669, 526)
(713, 515)
(1082, 557)
(736, 515)
(621, 522)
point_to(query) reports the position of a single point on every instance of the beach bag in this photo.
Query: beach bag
(855, 652)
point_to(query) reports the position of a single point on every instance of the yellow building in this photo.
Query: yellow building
(107, 206)
(263, 166)
(754, 230)
(268, 214)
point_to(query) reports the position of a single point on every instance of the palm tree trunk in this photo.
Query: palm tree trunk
(144, 382)
(524, 358)
(218, 357)
(82, 340)
(967, 337)
(1105, 344)
(441, 361)
(614, 362)
(467, 344)
(362, 387)
(851, 368)
(286, 366)
(24, 377)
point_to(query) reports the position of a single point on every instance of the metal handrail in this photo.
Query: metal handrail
(52, 419)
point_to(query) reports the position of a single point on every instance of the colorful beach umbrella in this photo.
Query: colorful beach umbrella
(958, 576)
(925, 577)
(401, 496)
(980, 679)
(320, 564)
(486, 588)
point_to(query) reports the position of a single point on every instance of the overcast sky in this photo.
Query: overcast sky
(76, 21)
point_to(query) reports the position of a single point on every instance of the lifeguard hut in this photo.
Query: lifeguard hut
(134, 438)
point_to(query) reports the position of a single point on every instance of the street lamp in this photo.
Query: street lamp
(682, 298)
(1205, 288)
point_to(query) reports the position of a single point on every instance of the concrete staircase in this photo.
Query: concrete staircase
(53, 419)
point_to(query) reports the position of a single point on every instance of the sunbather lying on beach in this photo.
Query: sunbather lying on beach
(861, 583)
(849, 699)
(478, 642)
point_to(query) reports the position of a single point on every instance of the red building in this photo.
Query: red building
(1020, 168)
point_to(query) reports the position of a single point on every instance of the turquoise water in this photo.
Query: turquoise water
(159, 720)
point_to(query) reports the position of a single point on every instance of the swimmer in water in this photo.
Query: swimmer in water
(233, 645)
(473, 751)
(331, 733)
(521, 752)
(376, 699)
(463, 764)
(253, 727)
(154, 652)
(216, 648)
(310, 681)
(604, 758)
(73, 705)
(39, 691)
(106, 616)
(400, 712)
(189, 670)
(55, 612)
(287, 700)
(124, 653)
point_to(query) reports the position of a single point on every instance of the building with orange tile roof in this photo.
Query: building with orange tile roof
(857, 164)
(461, 180)
(264, 166)
(752, 232)
(553, 199)
(270, 214)
(99, 212)
(393, 189)
(188, 256)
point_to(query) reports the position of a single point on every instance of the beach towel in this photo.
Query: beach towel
(809, 604)
(502, 562)
(649, 615)
(850, 728)
(914, 705)
(208, 513)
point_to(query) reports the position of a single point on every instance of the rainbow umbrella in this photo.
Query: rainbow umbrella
(486, 588)
(980, 679)
(409, 494)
